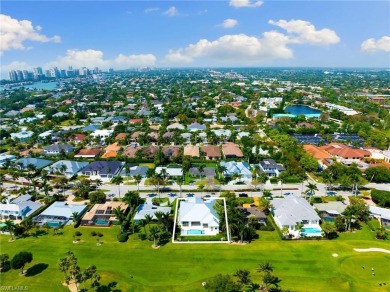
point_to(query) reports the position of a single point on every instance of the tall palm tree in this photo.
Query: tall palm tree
(62, 182)
(311, 188)
(120, 215)
(263, 178)
(148, 218)
(46, 189)
(98, 183)
(143, 224)
(159, 216)
(243, 276)
(282, 179)
(9, 227)
(154, 232)
(138, 179)
(117, 180)
(201, 169)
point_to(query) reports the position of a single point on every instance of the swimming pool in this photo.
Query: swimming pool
(101, 222)
(195, 232)
(311, 231)
(53, 224)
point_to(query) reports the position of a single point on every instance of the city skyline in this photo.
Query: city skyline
(236, 33)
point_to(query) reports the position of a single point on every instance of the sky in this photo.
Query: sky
(229, 33)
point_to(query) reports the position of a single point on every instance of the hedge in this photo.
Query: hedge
(381, 198)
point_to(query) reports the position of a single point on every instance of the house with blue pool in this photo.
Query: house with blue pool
(296, 214)
(59, 214)
(102, 215)
(198, 217)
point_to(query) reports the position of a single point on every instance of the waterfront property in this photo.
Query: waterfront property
(104, 170)
(101, 215)
(198, 217)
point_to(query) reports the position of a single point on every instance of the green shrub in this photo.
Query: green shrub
(382, 198)
(268, 227)
(99, 234)
(78, 233)
(93, 233)
(122, 237)
(142, 236)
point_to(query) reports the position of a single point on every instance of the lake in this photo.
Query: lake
(297, 110)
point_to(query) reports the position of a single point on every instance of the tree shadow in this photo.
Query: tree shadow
(36, 269)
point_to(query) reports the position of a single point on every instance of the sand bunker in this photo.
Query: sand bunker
(372, 249)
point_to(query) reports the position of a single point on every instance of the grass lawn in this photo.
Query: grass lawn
(302, 265)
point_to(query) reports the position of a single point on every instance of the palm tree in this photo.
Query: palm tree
(282, 179)
(127, 171)
(15, 176)
(117, 180)
(201, 169)
(62, 182)
(46, 189)
(63, 168)
(75, 216)
(138, 179)
(263, 178)
(98, 183)
(148, 218)
(265, 267)
(9, 227)
(120, 215)
(154, 232)
(200, 188)
(143, 224)
(159, 216)
(243, 276)
(311, 188)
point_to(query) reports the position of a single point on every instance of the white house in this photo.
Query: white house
(22, 136)
(198, 217)
(171, 171)
(102, 134)
(292, 210)
(19, 208)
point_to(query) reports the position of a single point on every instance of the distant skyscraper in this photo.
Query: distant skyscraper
(38, 73)
(19, 75)
(13, 76)
(111, 70)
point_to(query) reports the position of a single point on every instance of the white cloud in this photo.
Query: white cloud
(242, 49)
(230, 48)
(94, 58)
(229, 23)
(304, 32)
(15, 32)
(151, 9)
(123, 62)
(245, 3)
(16, 65)
(372, 45)
(172, 11)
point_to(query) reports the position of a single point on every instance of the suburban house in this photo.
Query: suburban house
(67, 167)
(212, 152)
(207, 171)
(102, 134)
(89, 153)
(149, 209)
(198, 217)
(254, 212)
(171, 171)
(291, 211)
(6, 157)
(271, 168)
(134, 170)
(102, 214)
(38, 163)
(57, 149)
(130, 151)
(170, 151)
(19, 208)
(319, 154)
(381, 214)
(175, 126)
(231, 150)
(103, 170)
(23, 136)
(341, 151)
(191, 150)
(329, 211)
(234, 168)
(196, 127)
(59, 213)
(111, 150)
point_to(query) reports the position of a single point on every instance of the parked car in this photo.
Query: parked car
(190, 195)
(155, 204)
(331, 193)
(287, 194)
(243, 195)
(207, 196)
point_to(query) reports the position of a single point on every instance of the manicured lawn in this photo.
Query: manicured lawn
(302, 265)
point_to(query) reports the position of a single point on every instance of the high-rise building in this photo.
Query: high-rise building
(13, 76)
(19, 75)
(38, 73)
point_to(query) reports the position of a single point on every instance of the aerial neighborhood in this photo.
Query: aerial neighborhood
(174, 158)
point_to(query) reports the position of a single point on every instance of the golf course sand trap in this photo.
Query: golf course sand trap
(335, 255)
(371, 249)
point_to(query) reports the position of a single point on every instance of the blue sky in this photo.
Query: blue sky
(126, 34)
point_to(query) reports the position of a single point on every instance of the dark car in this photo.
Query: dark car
(155, 204)
(331, 193)
(207, 196)
(243, 195)
(190, 195)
